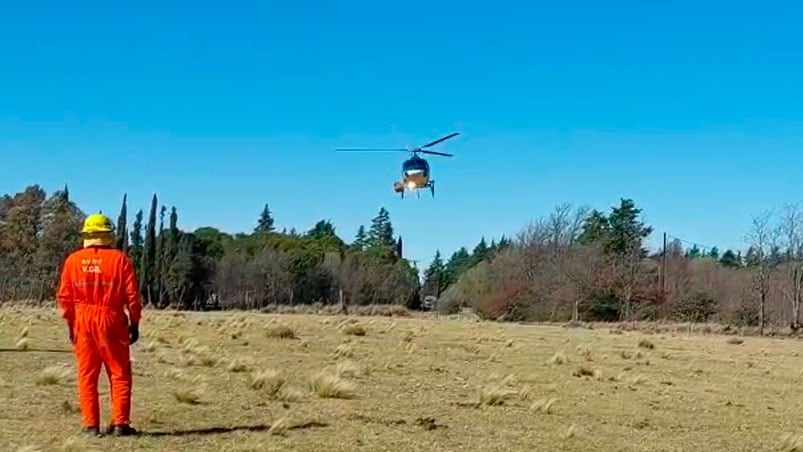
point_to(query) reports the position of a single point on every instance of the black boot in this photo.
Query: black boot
(122, 430)
(91, 431)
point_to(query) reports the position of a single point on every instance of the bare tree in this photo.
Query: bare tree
(762, 238)
(791, 230)
(583, 267)
(559, 230)
(333, 263)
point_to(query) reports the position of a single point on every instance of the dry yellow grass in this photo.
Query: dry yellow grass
(241, 381)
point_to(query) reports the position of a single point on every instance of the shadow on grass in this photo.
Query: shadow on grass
(224, 430)
(34, 350)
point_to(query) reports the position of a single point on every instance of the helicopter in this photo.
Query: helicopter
(416, 173)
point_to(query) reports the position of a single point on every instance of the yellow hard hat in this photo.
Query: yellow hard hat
(97, 222)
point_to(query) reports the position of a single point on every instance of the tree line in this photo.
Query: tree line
(574, 264)
(208, 268)
(580, 264)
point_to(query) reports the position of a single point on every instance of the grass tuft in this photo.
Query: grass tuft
(495, 394)
(30, 449)
(583, 371)
(544, 405)
(638, 379)
(330, 386)
(585, 352)
(150, 347)
(791, 443)
(344, 351)
(188, 395)
(267, 380)
(53, 375)
(353, 330)
(23, 344)
(235, 365)
(209, 360)
(281, 332)
(173, 373)
(280, 427)
(558, 358)
(74, 444)
(347, 369)
(290, 394)
(646, 343)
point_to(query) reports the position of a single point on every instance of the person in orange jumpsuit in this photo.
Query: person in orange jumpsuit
(97, 285)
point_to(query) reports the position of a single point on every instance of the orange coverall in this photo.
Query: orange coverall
(97, 283)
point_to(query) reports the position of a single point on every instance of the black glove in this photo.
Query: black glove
(133, 333)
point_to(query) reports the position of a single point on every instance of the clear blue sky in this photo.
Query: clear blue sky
(693, 109)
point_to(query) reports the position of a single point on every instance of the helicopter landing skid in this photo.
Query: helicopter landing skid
(399, 188)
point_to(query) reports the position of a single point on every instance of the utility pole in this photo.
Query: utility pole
(663, 267)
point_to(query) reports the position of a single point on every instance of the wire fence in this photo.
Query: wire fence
(27, 289)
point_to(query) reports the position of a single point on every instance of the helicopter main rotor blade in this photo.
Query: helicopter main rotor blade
(372, 150)
(441, 139)
(423, 151)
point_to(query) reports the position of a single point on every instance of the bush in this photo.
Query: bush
(605, 307)
(698, 307)
(747, 315)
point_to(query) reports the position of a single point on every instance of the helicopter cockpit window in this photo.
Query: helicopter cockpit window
(416, 165)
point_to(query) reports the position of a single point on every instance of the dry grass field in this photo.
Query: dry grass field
(254, 382)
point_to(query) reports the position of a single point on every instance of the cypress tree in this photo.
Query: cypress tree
(149, 255)
(122, 221)
(137, 243)
(265, 223)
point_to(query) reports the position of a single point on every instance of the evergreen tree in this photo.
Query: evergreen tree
(459, 262)
(323, 229)
(714, 253)
(122, 222)
(325, 236)
(730, 259)
(169, 239)
(161, 258)
(481, 252)
(627, 233)
(595, 228)
(148, 281)
(174, 222)
(380, 234)
(620, 233)
(137, 243)
(435, 277)
(265, 222)
(361, 239)
(188, 270)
